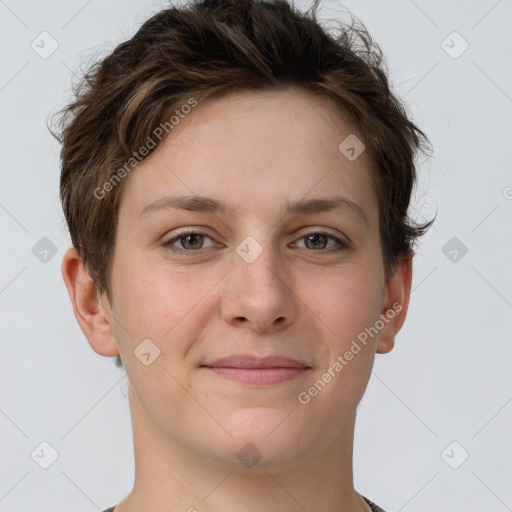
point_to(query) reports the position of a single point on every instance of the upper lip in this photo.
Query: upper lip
(249, 361)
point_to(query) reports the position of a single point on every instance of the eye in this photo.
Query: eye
(317, 240)
(190, 241)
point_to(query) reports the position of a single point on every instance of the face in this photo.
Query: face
(276, 275)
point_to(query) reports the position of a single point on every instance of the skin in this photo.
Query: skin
(255, 151)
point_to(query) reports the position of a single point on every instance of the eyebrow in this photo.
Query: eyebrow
(209, 205)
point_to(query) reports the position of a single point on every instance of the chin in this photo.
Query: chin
(261, 440)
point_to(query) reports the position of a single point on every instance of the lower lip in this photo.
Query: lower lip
(259, 375)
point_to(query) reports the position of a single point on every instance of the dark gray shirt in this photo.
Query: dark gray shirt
(375, 508)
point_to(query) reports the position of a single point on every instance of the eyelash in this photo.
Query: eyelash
(189, 252)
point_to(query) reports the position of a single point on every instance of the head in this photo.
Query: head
(234, 101)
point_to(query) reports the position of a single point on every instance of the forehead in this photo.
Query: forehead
(255, 148)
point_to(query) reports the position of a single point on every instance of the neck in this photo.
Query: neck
(170, 477)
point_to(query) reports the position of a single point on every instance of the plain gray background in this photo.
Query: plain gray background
(443, 393)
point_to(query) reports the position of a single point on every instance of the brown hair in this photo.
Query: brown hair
(209, 48)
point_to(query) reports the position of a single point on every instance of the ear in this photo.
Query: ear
(395, 304)
(92, 311)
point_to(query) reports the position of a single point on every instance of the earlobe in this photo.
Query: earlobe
(93, 317)
(395, 305)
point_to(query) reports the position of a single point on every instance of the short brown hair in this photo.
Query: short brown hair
(209, 48)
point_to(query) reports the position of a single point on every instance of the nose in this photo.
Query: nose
(258, 293)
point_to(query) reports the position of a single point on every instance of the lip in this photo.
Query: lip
(250, 361)
(250, 369)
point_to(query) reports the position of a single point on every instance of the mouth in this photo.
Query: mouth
(248, 369)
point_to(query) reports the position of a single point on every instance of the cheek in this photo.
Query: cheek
(168, 306)
(137, 304)
(348, 301)
(346, 305)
